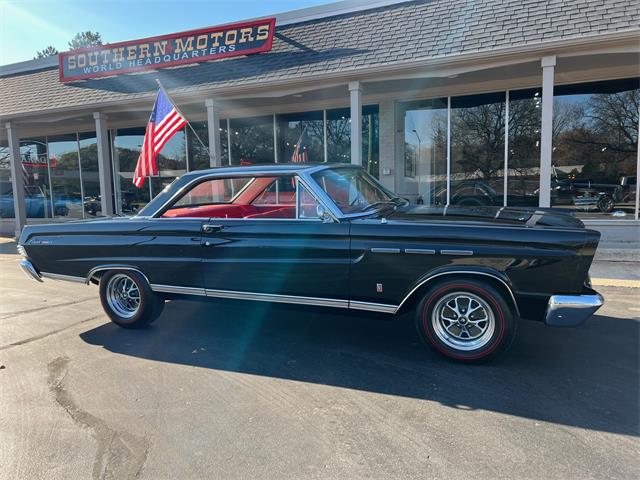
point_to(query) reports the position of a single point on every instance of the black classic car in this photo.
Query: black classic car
(329, 236)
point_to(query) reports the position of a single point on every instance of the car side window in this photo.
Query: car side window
(246, 197)
(307, 203)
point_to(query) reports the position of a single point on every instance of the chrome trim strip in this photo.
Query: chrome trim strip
(101, 268)
(176, 289)
(29, 270)
(372, 307)
(420, 251)
(460, 272)
(456, 252)
(275, 298)
(571, 310)
(203, 178)
(385, 250)
(58, 276)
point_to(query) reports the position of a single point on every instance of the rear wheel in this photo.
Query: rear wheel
(128, 300)
(465, 320)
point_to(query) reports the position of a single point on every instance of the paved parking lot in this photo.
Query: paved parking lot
(230, 390)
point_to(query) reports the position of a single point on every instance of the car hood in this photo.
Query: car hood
(529, 217)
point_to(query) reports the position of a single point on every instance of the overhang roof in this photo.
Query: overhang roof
(339, 44)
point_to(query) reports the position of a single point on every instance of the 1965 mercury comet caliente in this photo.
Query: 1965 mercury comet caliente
(330, 236)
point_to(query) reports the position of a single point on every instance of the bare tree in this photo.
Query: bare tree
(50, 51)
(85, 39)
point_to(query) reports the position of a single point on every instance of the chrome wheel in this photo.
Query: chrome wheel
(123, 295)
(463, 321)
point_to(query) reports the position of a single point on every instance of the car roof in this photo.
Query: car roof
(265, 168)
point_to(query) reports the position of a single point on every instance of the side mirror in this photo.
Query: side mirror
(323, 214)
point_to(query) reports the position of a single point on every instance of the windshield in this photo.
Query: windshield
(353, 190)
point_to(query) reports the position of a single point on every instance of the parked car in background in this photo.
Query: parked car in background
(36, 203)
(330, 236)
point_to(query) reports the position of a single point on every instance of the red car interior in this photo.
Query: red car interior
(234, 211)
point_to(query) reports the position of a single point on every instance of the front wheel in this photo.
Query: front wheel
(128, 300)
(465, 320)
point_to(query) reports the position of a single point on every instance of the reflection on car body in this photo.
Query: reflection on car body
(325, 235)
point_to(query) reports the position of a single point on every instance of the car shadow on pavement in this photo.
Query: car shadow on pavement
(585, 377)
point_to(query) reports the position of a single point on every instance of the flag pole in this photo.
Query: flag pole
(183, 116)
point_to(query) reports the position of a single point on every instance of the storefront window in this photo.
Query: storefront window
(595, 148)
(171, 164)
(88, 148)
(36, 176)
(198, 155)
(6, 190)
(477, 149)
(300, 137)
(252, 140)
(525, 107)
(339, 137)
(425, 152)
(65, 175)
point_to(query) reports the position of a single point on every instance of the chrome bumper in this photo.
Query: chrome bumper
(29, 270)
(572, 310)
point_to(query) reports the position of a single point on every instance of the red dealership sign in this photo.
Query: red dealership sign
(167, 50)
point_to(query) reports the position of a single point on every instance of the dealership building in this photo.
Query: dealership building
(516, 103)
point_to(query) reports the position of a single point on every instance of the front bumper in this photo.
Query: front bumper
(29, 270)
(572, 310)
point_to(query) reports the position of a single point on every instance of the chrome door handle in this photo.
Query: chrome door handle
(209, 228)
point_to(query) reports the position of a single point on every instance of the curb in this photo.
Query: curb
(617, 255)
(615, 282)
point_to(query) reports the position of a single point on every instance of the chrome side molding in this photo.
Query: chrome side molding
(275, 298)
(59, 276)
(456, 252)
(177, 289)
(385, 250)
(420, 251)
(372, 307)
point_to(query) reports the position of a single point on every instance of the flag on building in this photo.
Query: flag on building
(300, 154)
(164, 122)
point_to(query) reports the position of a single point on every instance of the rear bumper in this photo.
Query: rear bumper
(572, 310)
(29, 270)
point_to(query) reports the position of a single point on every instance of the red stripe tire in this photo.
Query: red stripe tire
(465, 320)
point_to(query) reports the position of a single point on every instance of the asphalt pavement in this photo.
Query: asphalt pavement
(231, 390)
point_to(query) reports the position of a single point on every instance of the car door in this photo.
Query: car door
(263, 256)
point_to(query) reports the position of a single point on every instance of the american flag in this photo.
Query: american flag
(165, 121)
(299, 154)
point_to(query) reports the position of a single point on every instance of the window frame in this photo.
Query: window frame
(158, 215)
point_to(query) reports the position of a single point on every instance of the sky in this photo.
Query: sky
(27, 26)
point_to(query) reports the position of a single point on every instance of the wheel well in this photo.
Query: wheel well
(95, 274)
(415, 296)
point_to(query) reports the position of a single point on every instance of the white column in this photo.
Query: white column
(17, 180)
(355, 92)
(388, 170)
(213, 124)
(546, 132)
(104, 164)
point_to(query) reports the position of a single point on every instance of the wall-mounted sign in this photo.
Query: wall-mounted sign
(167, 50)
